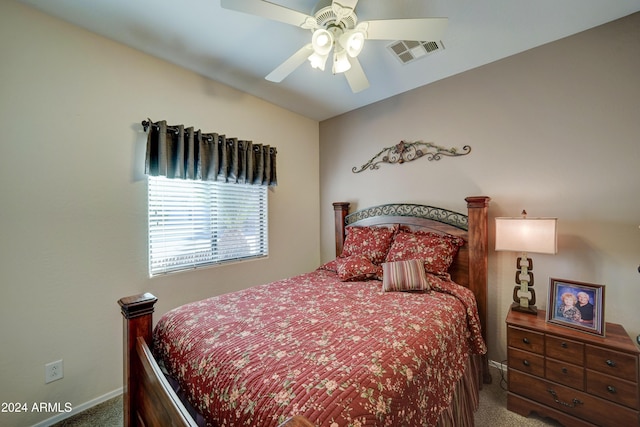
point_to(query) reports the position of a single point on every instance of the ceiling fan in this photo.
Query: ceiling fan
(335, 27)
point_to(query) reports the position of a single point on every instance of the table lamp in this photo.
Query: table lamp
(522, 234)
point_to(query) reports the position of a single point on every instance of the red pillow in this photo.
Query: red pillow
(437, 251)
(372, 242)
(357, 267)
(330, 266)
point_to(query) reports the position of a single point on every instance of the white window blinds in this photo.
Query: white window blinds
(200, 223)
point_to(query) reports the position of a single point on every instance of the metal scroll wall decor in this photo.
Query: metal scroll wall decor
(409, 151)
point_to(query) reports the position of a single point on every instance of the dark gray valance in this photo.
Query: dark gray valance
(179, 152)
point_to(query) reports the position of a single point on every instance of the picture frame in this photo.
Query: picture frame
(576, 305)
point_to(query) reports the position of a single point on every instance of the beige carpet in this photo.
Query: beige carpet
(106, 414)
(492, 412)
(493, 406)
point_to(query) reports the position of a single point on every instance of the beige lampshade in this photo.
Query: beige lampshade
(536, 235)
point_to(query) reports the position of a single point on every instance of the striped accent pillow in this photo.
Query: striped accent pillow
(408, 275)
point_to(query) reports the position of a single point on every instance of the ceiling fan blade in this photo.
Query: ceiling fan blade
(355, 76)
(287, 67)
(268, 10)
(418, 29)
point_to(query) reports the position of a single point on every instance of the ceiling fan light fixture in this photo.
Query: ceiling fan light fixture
(340, 62)
(352, 41)
(322, 41)
(318, 61)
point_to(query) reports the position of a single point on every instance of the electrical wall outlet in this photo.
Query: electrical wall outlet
(53, 371)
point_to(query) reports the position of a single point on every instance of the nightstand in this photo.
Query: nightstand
(576, 378)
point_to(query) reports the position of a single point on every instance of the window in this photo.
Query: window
(202, 223)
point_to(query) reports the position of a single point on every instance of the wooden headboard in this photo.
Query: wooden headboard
(469, 268)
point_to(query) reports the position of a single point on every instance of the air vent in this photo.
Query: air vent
(407, 51)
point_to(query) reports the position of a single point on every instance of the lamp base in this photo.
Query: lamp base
(530, 310)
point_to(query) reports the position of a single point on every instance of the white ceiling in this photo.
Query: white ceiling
(239, 49)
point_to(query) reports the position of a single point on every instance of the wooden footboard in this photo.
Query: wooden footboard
(160, 402)
(149, 399)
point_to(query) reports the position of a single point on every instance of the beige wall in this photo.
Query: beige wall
(553, 130)
(73, 200)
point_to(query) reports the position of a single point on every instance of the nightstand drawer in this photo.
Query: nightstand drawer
(565, 373)
(576, 403)
(612, 388)
(564, 349)
(610, 362)
(525, 340)
(524, 361)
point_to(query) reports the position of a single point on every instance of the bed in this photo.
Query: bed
(315, 349)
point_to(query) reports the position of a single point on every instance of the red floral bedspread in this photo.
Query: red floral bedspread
(339, 353)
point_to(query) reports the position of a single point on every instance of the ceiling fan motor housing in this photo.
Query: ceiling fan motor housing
(326, 18)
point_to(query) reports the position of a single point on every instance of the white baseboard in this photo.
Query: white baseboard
(498, 365)
(77, 409)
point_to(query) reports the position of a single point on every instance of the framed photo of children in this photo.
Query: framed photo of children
(576, 305)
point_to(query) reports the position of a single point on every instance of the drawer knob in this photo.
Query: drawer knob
(611, 363)
(525, 362)
(575, 402)
(611, 389)
(564, 344)
(525, 340)
(564, 370)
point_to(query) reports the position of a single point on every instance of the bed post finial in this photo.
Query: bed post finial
(341, 209)
(137, 311)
